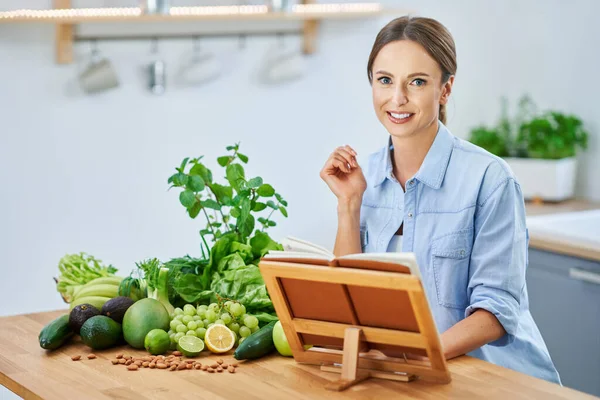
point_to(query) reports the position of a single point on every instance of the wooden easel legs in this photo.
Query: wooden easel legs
(351, 374)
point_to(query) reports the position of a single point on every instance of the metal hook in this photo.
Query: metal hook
(154, 45)
(196, 40)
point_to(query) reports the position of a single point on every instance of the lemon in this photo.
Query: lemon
(219, 338)
(190, 346)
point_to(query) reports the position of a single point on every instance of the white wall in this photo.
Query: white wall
(89, 173)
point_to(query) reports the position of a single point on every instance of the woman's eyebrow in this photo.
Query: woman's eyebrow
(382, 72)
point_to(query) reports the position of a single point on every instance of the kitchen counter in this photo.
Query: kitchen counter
(33, 373)
(552, 227)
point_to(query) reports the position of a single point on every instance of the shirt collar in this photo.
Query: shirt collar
(434, 165)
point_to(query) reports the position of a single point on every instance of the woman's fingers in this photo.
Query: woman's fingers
(348, 154)
(341, 163)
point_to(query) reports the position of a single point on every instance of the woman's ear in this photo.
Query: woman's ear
(446, 90)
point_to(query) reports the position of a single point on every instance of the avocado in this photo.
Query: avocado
(80, 314)
(101, 332)
(116, 308)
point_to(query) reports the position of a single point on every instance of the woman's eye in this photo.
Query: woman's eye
(419, 82)
(385, 80)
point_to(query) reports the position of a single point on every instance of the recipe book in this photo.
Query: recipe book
(301, 251)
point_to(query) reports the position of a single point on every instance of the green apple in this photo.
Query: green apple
(281, 342)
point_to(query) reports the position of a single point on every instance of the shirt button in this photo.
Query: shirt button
(410, 215)
(411, 183)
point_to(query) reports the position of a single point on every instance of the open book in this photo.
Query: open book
(301, 251)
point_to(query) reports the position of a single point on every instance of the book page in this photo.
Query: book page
(406, 259)
(293, 244)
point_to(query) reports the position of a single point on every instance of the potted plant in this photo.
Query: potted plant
(537, 145)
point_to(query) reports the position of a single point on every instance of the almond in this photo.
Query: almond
(76, 358)
(114, 362)
(91, 356)
(161, 366)
(132, 367)
(219, 361)
(177, 353)
(231, 369)
(119, 356)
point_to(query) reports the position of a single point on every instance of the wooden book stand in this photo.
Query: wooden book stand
(363, 315)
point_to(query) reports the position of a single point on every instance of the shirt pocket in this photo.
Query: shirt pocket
(450, 259)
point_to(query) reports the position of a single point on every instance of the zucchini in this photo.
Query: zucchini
(55, 333)
(259, 344)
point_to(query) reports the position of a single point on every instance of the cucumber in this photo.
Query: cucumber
(55, 333)
(259, 344)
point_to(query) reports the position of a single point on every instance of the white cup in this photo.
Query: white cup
(282, 65)
(98, 76)
(199, 67)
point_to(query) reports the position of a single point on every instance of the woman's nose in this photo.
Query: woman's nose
(399, 97)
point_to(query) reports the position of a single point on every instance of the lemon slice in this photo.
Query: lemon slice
(219, 338)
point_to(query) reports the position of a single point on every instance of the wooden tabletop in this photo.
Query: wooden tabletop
(557, 244)
(33, 373)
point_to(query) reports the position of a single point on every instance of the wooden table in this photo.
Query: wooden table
(32, 373)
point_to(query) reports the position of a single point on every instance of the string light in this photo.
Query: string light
(132, 12)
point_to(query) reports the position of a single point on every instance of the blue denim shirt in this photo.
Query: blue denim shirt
(464, 218)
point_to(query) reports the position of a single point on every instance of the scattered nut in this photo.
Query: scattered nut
(128, 362)
(204, 367)
(119, 356)
(224, 365)
(197, 367)
(114, 362)
(219, 369)
(231, 369)
(91, 356)
(234, 364)
(122, 361)
(211, 370)
(173, 368)
(152, 365)
(161, 366)
(181, 366)
(189, 361)
(76, 358)
(177, 353)
(189, 366)
(219, 361)
(147, 359)
(132, 367)
(145, 364)
(214, 365)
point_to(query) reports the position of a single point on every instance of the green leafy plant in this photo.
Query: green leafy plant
(552, 135)
(548, 135)
(228, 208)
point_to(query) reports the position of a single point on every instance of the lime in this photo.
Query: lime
(281, 342)
(190, 346)
(157, 341)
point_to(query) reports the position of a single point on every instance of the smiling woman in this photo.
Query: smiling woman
(455, 205)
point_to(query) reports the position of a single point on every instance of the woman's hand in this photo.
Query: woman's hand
(343, 175)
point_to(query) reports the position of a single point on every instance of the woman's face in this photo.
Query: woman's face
(407, 88)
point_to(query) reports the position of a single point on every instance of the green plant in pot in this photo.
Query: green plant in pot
(536, 145)
(552, 136)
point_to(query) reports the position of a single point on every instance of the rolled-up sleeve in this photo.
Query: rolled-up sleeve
(499, 256)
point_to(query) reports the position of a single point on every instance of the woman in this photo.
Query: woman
(456, 206)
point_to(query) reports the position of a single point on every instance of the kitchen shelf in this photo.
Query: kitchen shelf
(66, 18)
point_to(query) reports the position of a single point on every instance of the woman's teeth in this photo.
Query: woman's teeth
(400, 116)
